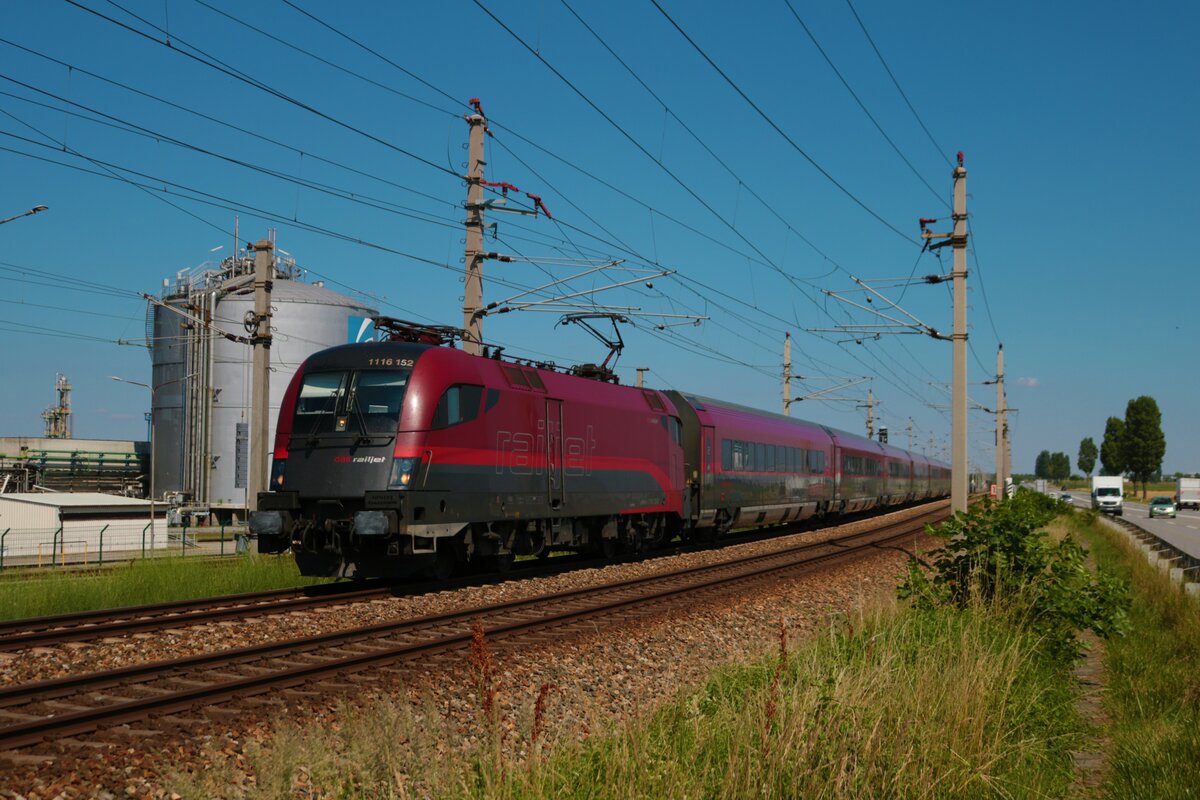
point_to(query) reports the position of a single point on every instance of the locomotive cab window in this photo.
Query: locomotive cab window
(318, 395)
(377, 397)
(459, 403)
(369, 401)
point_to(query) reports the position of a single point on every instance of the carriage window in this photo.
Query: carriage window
(769, 464)
(741, 456)
(816, 462)
(726, 455)
(760, 458)
(459, 403)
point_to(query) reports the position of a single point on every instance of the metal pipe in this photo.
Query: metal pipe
(102, 530)
(3, 536)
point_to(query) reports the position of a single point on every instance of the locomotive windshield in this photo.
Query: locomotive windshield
(365, 401)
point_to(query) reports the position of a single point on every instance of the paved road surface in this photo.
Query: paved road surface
(1182, 533)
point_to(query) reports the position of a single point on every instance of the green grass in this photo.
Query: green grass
(957, 704)
(155, 580)
(1154, 679)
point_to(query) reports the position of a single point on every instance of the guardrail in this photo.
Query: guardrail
(1182, 568)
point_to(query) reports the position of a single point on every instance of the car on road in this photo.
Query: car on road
(1066, 498)
(1162, 507)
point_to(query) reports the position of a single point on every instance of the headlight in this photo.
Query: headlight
(403, 471)
(278, 466)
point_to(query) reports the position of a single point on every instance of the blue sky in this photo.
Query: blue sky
(1078, 121)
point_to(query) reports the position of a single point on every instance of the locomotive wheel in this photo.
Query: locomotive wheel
(609, 547)
(504, 562)
(442, 568)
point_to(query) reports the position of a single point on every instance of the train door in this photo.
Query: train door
(708, 469)
(678, 477)
(556, 490)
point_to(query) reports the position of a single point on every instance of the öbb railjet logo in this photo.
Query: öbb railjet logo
(358, 459)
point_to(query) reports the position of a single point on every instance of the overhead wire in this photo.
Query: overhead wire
(334, 65)
(284, 219)
(117, 123)
(218, 65)
(792, 142)
(637, 144)
(691, 132)
(812, 37)
(896, 83)
(75, 68)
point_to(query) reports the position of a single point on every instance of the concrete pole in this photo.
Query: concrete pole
(641, 371)
(1007, 448)
(152, 399)
(958, 401)
(473, 288)
(787, 374)
(870, 414)
(1001, 425)
(260, 392)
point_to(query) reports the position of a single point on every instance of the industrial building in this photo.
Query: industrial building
(46, 528)
(30, 463)
(202, 379)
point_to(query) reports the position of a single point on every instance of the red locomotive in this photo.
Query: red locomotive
(397, 456)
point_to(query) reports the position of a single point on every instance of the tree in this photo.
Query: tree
(1087, 456)
(1059, 467)
(1143, 442)
(1112, 451)
(1041, 467)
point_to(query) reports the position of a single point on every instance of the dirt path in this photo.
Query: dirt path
(1091, 763)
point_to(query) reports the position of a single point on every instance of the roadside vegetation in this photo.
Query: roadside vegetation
(142, 581)
(1153, 695)
(960, 688)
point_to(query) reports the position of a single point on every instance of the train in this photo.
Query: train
(410, 456)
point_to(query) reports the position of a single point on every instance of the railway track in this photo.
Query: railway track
(42, 631)
(32, 713)
(19, 634)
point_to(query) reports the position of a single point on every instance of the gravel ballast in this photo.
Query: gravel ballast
(619, 672)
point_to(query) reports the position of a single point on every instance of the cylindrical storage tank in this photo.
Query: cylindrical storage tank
(169, 358)
(305, 318)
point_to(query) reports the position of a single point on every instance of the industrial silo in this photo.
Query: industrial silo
(201, 421)
(306, 317)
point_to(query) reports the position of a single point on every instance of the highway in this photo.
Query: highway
(1183, 532)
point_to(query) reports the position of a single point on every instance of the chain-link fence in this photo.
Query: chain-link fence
(79, 543)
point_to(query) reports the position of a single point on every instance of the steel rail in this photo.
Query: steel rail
(41, 631)
(679, 583)
(56, 629)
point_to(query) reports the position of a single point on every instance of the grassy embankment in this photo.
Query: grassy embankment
(154, 580)
(1153, 678)
(965, 691)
